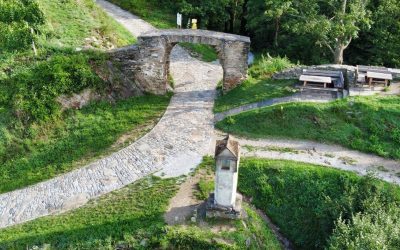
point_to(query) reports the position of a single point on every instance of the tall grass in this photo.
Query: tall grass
(266, 66)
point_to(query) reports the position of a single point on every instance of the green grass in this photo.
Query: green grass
(253, 90)
(306, 200)
(38, 140)
(69, 22)
(161, 14)
(206, 52)
(369, 124)
(259, 86)
(128, 215)
(42, 151)
(132, 218)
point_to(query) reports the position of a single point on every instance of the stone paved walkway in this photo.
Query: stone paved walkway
(174, 147)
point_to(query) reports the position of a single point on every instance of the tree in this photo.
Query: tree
(334, 23)
(20, 20)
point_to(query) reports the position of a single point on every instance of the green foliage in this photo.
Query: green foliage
(306, 200)
(34, 99)
(205, 187)
(81, 23)
(379, 45)
(266, 66)
(258, 86)
(161, 14)
(206, 52)
(19, 21)
(40, 151)
(37, 140)
(376, 228)
(131, 218)
(369, 124)
(127, 217)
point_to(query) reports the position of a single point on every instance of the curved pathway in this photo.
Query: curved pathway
(174, 146)
(322, 154)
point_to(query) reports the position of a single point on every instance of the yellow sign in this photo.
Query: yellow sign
(194, 24)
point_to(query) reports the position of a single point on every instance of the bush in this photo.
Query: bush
(305, 201)
(267, 66)
(378, 228)
(35, 90)
(17, 21)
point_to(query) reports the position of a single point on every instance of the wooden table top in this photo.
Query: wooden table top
(323, 79)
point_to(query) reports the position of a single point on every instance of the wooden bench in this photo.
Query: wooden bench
(362, 77)
(336, 76)
(379, 77)
(315, 79)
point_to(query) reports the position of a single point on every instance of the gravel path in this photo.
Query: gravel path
(322, 154)
(174, 146)
(132, 23)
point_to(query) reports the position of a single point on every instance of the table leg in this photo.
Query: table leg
(386, 83)
(370, 82)
(324, 85)
(305, 83)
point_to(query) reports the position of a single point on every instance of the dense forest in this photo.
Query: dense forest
(308, 31)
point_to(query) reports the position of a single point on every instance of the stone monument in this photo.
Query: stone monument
(225, 202)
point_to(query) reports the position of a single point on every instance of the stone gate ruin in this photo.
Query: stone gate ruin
(148, 62)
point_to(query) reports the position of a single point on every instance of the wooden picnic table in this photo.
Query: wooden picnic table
(316, 79)
(379, 77)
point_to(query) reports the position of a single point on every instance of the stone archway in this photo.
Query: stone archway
(152, 64)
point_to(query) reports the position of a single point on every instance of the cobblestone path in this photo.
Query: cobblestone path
(174, 147)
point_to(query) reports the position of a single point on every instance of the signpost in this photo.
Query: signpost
(179, 20)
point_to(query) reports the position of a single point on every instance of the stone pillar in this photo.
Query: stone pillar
(152, 65)
(234, 56)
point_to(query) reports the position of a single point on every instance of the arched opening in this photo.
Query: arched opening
(155, 50)
(189, 50)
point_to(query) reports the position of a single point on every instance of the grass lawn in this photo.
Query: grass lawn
(253, 90)
(78, 136)
(259, 86)
(131, 218)
(160, 14)
(38, 140)
(369, 124)
(305, 201)
(207, 53)
(70, 22)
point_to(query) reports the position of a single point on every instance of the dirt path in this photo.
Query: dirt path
(132, 23)
(321, 154)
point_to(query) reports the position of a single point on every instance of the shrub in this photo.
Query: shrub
(35, 90)
(19, 20)
(378, 228)
(267, 66)
(305, 201)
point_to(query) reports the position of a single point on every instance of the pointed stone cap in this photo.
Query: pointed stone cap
(229, 143)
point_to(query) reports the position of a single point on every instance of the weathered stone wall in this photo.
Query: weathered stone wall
(295, 72)
(147, 64)
(155, 48)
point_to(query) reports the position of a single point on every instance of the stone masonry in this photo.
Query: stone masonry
(148, 63)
